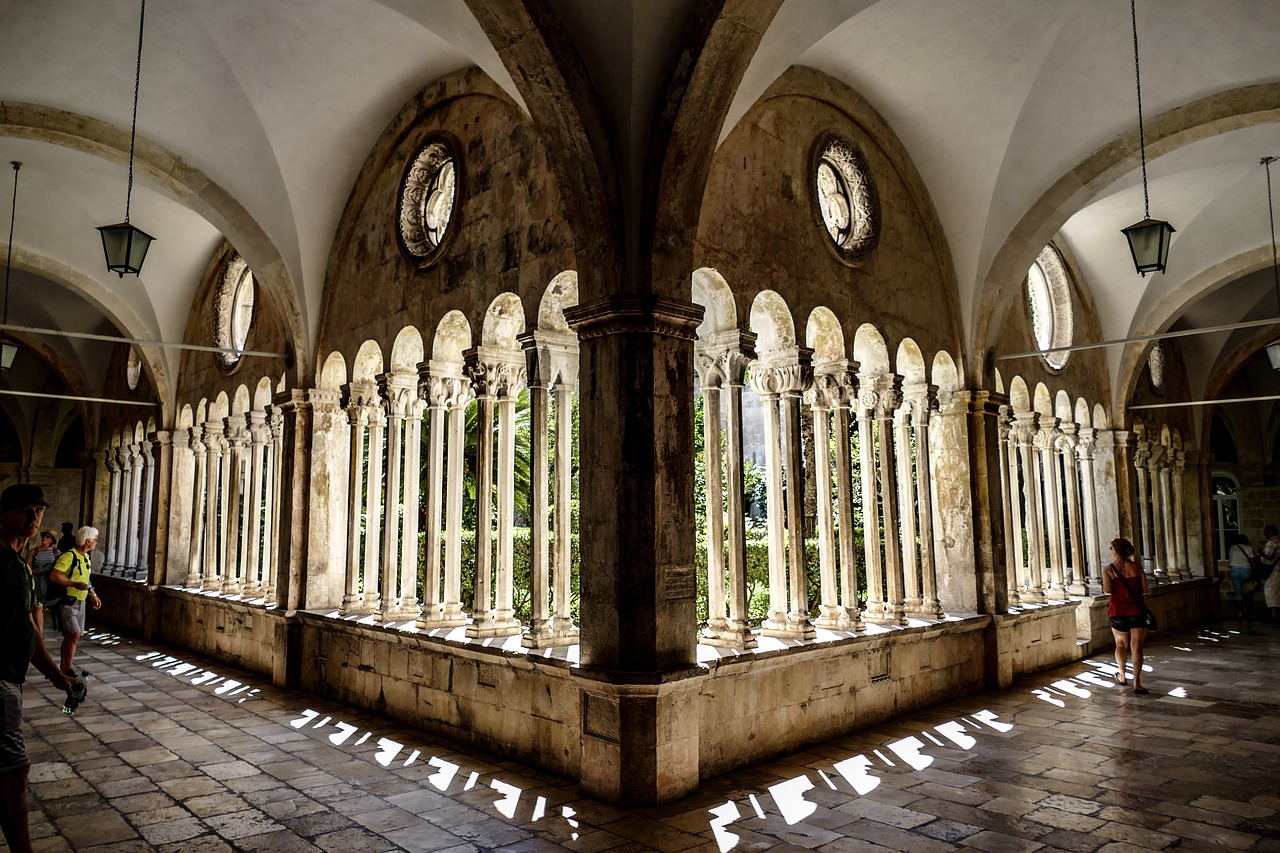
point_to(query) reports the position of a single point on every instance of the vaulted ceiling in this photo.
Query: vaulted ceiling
(255, 117)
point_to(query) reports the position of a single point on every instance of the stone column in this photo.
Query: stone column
(169, 562)
(1032, 590)
(407, 577)
(722, 361)
(119, 556)
(113, 507)
(496, 376)
(1051, 491)
(441, 380)
(951, 503)
(397, 389)
(562, 628)
(310, 430)
(252, 584)
(482, 606)
(1179, 462)
(823, 397)
(777, 618)
(131, 493)
(199, 497)
(868, 399)
(1090, 574)
(358, 395)
(850, 607)
(214, 500)
(1141, 457)
(1167, 551)
(907, 510)
(1106, 492)
(890, 398)
(552, 367)
(235, 518)
(275, 492)
(451, 612)
(509, 381)
(780, 378)
(638, 652)
(982, 541)
(930, 606)
(146, 510)
(1066, 460)
(375, 489)
(1012, 506)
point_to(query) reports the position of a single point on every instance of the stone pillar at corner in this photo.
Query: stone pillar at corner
(638, 631)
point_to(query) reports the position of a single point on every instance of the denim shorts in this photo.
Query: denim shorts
(13, 751)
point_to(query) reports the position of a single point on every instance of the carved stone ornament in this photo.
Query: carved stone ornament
(428, 198)
(845, 194)
(232, 310)
(133, 369)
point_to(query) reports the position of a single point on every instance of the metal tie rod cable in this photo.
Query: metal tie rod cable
(73, 397)
(90, 336)
(1221, 402)
(1226, 327)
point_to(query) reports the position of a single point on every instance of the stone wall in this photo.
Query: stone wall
(508, 229)
(750, 706)
(760, 228)
(754, 707)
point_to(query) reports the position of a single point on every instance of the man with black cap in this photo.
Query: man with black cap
(21, 510)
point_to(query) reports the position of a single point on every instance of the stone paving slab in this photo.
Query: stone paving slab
(176, 753)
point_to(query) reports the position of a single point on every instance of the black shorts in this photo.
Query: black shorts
(1124, 624)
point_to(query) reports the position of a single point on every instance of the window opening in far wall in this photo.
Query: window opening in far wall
(1226, 514)
(1049, 304)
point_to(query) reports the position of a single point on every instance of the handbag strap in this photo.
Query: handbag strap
(1137, 596)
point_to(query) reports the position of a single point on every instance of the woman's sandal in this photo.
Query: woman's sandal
(1141, 691)
(1120, 679)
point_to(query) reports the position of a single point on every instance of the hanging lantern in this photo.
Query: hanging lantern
(125, 247)
(1149, 243)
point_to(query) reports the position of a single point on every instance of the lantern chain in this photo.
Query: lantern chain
(133, 130)
(1142, 141)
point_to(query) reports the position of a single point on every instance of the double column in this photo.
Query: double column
(497, 377)
(364, 498)
(448, 392)
(214, 540)
(722, 365)
(830, 398)
(399, 592)
(552, 372)
(780, 378)
(1025, 498)
(879, 395)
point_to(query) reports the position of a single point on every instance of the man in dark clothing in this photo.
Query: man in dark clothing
(21, 510)
(68, 540)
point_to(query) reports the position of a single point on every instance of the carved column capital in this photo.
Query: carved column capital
(552, 358)
(832, 389)
(777, 378)
(495, 373)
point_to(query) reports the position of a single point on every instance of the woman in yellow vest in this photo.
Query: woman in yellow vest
(72, 571)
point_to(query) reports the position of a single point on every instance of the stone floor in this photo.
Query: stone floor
(174, 753)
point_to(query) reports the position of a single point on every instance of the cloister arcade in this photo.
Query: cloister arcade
(642, 419)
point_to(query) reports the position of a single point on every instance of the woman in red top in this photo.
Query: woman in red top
(1128, 619)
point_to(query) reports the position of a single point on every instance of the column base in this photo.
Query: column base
(930, 609)
(798, 626)
(640, 741)
(549, 633)
(729, 634)
(431, 621)
(493, 627)
(840, 620)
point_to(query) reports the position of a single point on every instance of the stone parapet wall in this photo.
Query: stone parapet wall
(750, 706)
(756, 706)
(509, 703)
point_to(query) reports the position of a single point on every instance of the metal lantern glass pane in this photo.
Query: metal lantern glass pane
(125, 247)
(8, 351)
(1149, 243)
(1273, 354)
